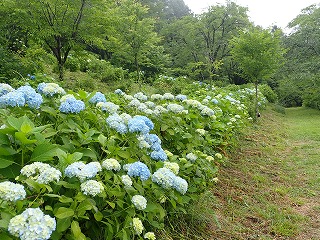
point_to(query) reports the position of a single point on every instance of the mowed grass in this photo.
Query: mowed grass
(268, 188)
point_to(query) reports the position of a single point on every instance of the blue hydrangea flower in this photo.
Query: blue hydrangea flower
(180, 185)
(140, 124)
(32, 224)
(32, 98)
(215, 101)
(119, 92)
(159, 155)
(164, 177)
(12, 99)
(181, 97)
(10, 191)
(98, 97)
(117, 123)
(71, 105)
(139, 169)
(5, 88)
(83, 171)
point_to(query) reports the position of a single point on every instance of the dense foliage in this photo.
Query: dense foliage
(80, 165)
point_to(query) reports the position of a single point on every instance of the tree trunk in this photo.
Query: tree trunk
(61, 71)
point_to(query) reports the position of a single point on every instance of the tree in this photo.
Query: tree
(60, 25)
(259, 54)
(135, 40)
(217, 26)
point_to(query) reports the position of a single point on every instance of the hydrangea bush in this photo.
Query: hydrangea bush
(89, 165)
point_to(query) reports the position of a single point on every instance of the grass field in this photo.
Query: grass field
(269, 187)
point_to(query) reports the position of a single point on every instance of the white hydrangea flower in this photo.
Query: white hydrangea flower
(210, 158)
(126, 180)
(32, 224)
(201, 131)
(10, 191)
(111, 164)
(41, 172)
(137, 226)
(83, 171)
(218, 155)
(128, 97)
(169, 154)
(191, 157)
(139, 202)
(91, 187)
(174, 167)
(150, 236)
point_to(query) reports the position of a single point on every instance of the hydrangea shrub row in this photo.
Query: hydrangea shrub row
(109, 166)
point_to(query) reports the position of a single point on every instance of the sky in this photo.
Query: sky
(265, 13)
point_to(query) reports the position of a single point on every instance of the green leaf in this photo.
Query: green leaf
(111, 204)
(4, 236)
(6, 161)
(44, 152)
(76, 231)
(63, 212)
(26, 127)
(87, 152)
(102, 140)
(22, 137)
(4, 140)
(124, 154)
(15, 122)
(63, 224)
(49, 110)
(98, 216)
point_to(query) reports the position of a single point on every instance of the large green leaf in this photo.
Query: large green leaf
(63, 212)
(44, 152)
(76, 231)
(6, 161)
(22, 137)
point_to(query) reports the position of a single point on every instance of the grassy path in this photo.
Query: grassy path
(270, 189)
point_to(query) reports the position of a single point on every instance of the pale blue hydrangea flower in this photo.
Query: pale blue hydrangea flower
(108, 107)
(10, 191)
(5, 88)
(134, 103)
(150, 104)
(138, 169)
(168, 96)
(91, 187)
(181, 97)
(207, 112)
(117, 123)
(72, 105)
(156, 97)
(140, 124)
(174, 167)
(12, 99)
(126, 180)
(137, 226)
(164, 177)
(111, 164)
(150, 236)
(140, 96)
(32, 98)
(41, 172)
(205, 101)
(158, 110)
(83, 171)
(119, 92)
(32, 224)
(194, 103)
(159, 155)
(215, 101)
(142, 107)
(50, 89)
(180, 185)
(139, 202)
(191, 157)
(98, 97)
(125, 117)
(175, 108)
